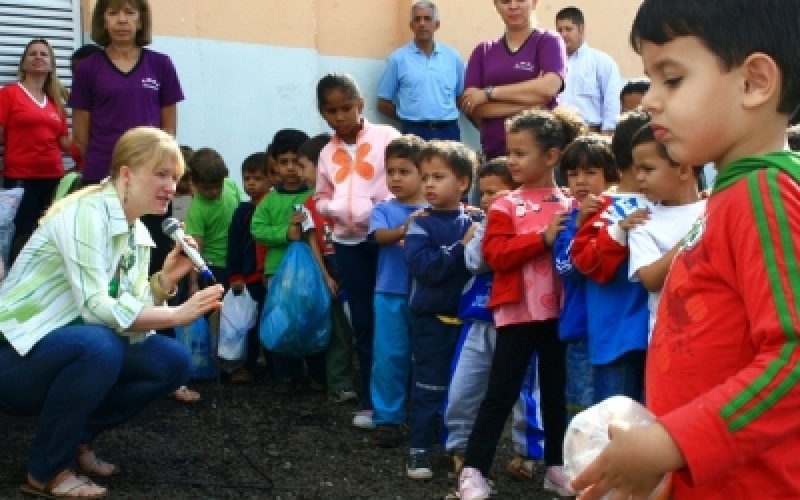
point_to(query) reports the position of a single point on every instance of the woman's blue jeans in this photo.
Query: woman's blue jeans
(82, 380)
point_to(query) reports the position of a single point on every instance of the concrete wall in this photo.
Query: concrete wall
(250, 67)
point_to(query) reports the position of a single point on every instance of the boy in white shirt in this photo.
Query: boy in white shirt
(676, 206)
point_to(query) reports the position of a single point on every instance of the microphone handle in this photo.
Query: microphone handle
(197, 260)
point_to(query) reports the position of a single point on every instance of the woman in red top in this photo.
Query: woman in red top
(33, 128)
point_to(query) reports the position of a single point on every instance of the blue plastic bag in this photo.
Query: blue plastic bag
(196, 336)
(475, 298)
(296, 320)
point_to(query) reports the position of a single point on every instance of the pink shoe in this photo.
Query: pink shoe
(555, 481)
(472, 485)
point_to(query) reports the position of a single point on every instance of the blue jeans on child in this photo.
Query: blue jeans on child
(358, 268)
(580, 378)
(82, 380)
(622, 377)
(391, 363)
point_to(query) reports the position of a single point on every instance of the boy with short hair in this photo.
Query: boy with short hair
(339, 354)
(391, 358)
(672, 188)
(632, 93)
(616, 308)
(721, 365)
(272, 220)
(246, 257)
(210, 212)
(434, 252)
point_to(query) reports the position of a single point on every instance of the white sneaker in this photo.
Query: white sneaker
(363, 420)
(556, 481)
(472, 485)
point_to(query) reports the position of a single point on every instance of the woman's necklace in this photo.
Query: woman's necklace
(126, 262)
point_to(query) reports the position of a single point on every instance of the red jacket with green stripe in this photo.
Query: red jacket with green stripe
(724, 361)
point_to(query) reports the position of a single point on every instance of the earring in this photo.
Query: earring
(125, 195)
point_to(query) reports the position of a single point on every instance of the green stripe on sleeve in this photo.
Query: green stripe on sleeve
(781, 303)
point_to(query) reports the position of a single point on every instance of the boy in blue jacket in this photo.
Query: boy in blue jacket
(434, 252)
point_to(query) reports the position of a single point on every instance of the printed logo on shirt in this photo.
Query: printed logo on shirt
(695, 234)
(524, 206)
(525, 66)
(55, 116)
(151, 83)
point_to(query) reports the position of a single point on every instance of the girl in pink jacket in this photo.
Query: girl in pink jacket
(351, 179)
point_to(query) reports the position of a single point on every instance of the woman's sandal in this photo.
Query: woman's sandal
(66, 485)
(521, 468)
(98, 468)
(185, 395)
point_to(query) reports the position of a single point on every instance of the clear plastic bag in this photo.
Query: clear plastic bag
(296, 321)
(587, 435)
(237, 317)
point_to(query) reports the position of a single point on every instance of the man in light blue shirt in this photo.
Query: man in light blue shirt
(593, 81)
(423, 81)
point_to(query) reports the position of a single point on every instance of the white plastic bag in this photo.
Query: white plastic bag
(587, 435)
(239, 314)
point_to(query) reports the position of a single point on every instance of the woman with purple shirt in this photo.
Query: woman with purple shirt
(523, 69)
(122, 87)
(119, 88)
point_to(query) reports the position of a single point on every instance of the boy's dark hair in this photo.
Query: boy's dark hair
(646, 135)
(256, 162)
(207, 167)
(590, 151)
(337, 81)
(551, 129)
(458, 157)
(629, 123)
(313, 147)
(793, 133)
(499, 168)
(573, 14)
(85, 51)
(732, 30)
(187, 152)
(635, 86)
(287, 140)
(408, 146)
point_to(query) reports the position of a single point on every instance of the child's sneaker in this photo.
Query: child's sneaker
(342, 396)
(363, 420)
(387, 436)
(555, 481)
(521, 468)
(472, 485)
(419, 465)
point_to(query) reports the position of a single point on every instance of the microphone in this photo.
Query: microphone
(172, 228)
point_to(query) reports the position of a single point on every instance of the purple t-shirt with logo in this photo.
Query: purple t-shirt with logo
(118, 102)
(493, 64)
